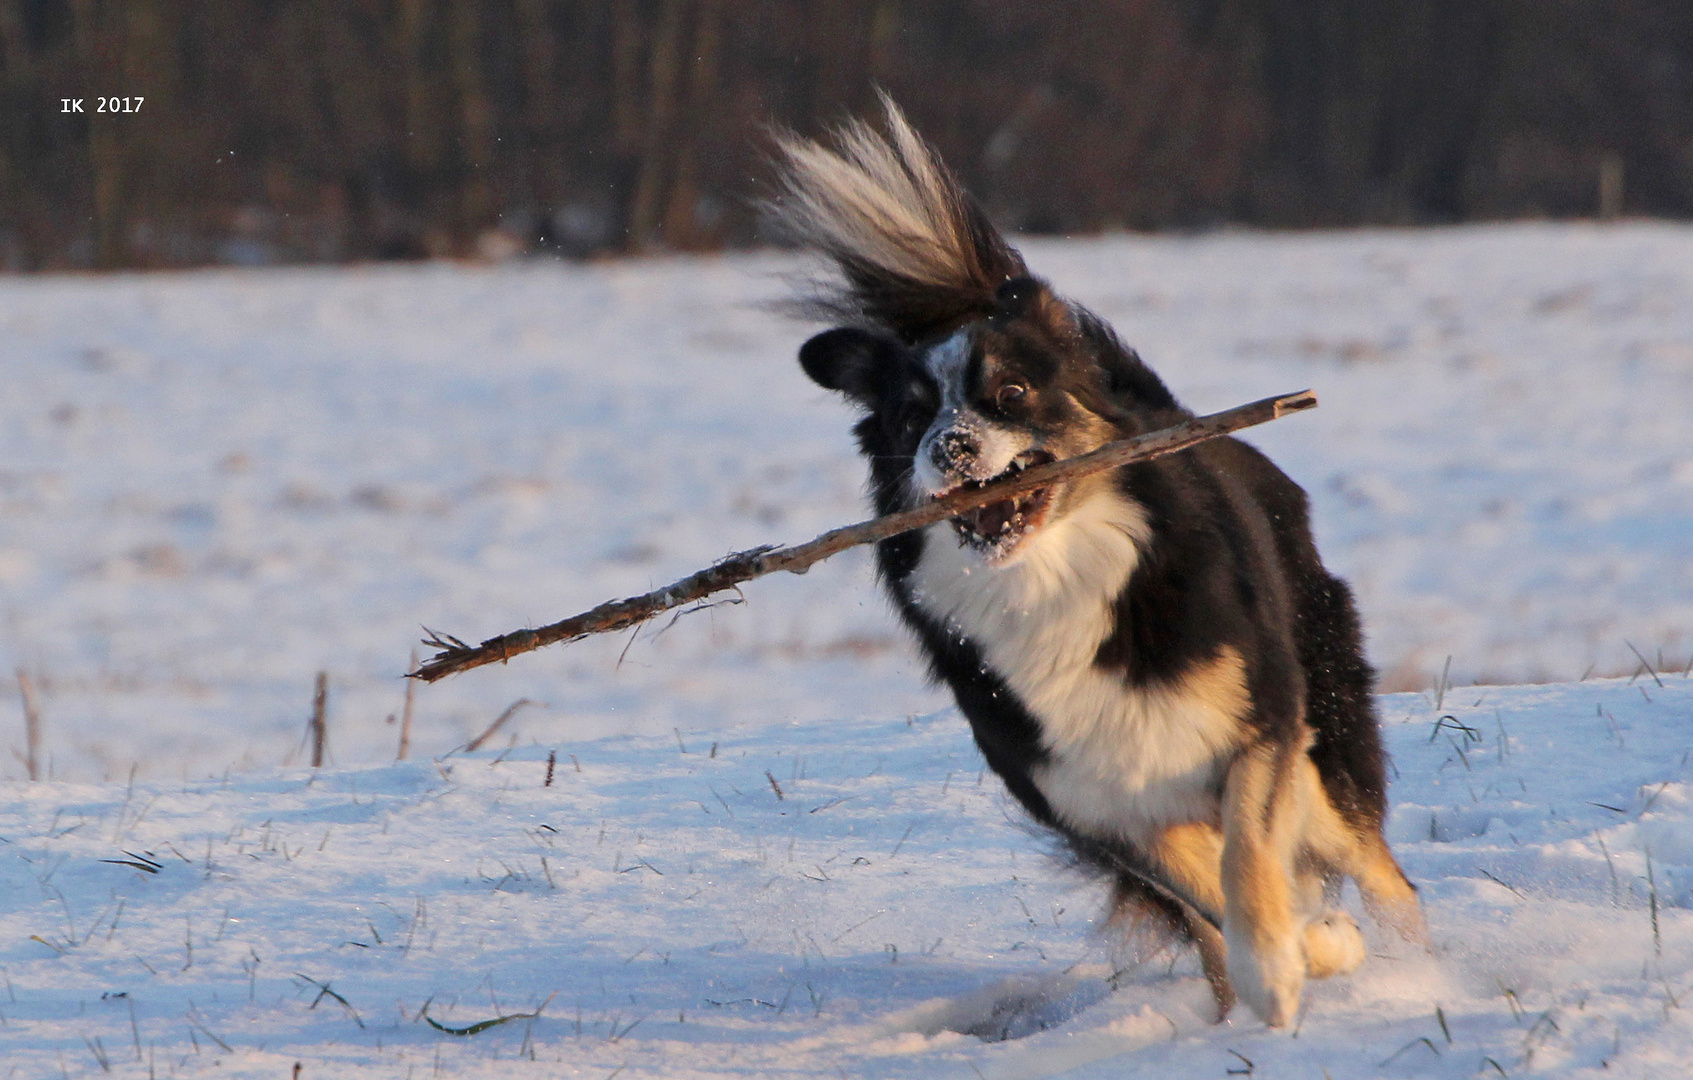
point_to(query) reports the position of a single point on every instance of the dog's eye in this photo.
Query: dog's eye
(1010, 392)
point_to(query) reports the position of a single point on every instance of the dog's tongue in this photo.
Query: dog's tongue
(991, 520)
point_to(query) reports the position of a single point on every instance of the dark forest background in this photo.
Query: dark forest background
(325, 130)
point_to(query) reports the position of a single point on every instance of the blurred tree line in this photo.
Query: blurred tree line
(321, 130)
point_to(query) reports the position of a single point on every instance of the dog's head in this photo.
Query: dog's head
(1035, 380)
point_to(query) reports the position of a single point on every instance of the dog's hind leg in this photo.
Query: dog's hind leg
(1353, 845)
(1389, 896)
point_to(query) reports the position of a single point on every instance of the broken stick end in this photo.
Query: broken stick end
(444, 663)
(1292, 403)
(428, 671)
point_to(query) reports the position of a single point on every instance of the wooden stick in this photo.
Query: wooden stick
(32, 725)
(455, 655)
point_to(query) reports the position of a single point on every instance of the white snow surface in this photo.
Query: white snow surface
(214, 485)
(668, 914)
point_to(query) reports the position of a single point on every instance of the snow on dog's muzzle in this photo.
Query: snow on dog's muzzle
(997, 528)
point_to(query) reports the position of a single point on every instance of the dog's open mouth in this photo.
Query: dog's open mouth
(997, 528)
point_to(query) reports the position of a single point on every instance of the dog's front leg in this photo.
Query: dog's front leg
(1266, 955)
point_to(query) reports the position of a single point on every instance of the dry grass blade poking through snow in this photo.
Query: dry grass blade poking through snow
(455, 655)
(32, 725)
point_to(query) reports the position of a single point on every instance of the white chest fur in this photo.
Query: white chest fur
(1123, 760)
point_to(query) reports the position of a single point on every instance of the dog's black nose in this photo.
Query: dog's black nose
(953, 449)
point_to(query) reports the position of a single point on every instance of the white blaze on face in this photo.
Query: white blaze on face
(994, 445)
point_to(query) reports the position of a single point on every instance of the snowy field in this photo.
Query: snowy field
(215, 485)
(669, 915)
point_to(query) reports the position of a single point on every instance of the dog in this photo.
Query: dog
(1153, 659)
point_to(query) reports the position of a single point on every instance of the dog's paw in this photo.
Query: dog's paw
(1333, 945)
(1404, 918)
(1268, 975)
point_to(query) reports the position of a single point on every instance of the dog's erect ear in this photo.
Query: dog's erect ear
(852, 361)
(1031, 298)
(1014, 296)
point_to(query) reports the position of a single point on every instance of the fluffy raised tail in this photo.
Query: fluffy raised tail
(915, 254)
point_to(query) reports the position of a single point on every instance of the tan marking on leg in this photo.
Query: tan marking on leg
(1389, 896)
(1263, 818)
(1362, 854)
(1326, 834)
(1324, 847)
(1190, 856)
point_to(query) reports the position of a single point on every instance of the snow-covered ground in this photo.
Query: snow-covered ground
(669, 914)
(215, 485)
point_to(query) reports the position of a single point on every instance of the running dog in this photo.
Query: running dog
(1153, 659)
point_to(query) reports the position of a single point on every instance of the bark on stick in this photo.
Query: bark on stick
(455, 655)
